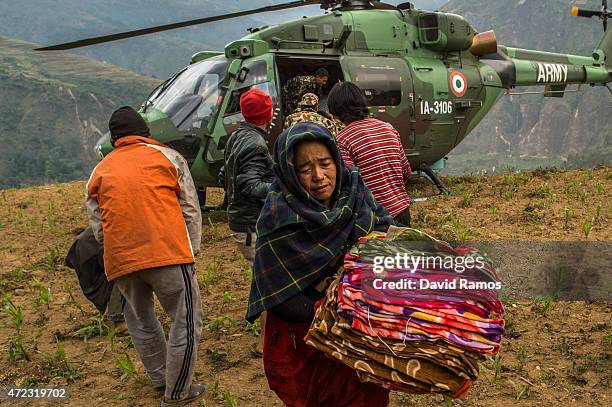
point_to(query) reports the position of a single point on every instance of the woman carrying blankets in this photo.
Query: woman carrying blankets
(315, 211)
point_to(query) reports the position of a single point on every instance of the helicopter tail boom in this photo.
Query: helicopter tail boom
(523, 67)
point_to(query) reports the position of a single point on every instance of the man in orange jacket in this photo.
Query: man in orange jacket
(143, 206)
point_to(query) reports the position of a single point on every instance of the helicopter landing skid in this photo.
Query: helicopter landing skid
(429, 174)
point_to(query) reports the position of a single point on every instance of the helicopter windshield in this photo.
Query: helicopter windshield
(191, 99)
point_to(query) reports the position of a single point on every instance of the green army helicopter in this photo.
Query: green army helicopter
(429, 74)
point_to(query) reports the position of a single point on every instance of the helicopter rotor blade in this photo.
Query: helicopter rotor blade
(144, 31)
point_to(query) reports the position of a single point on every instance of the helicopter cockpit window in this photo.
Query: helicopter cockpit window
(257, 74)
(256, 78)
(382, 86)
(192, 99)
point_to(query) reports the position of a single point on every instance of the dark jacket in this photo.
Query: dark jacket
(86, 258)
(248, 175)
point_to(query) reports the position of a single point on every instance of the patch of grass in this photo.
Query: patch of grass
(548, 375)
(599, 187)
(407, 398)
(543, 307)
(542, 192)
(216, 356)
(564, 347)
(229, 400)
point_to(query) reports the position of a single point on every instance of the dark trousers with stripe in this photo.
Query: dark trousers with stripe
(168, 363)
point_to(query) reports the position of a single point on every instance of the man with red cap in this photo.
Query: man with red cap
(248, 174)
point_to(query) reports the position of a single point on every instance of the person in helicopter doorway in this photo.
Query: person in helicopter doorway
(307, 111)
(143, 206)
(297, 86)
(247, 175)
(375, 148)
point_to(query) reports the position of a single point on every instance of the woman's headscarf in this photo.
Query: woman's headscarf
(298, 238)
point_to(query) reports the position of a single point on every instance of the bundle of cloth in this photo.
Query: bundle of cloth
(416, 326)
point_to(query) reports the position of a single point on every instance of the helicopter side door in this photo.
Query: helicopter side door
(387, 85)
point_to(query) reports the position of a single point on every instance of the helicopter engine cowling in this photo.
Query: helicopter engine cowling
(445, 32)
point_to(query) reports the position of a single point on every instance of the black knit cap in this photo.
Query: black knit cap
(126, 121)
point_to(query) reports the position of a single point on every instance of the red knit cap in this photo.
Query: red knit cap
(256, 106)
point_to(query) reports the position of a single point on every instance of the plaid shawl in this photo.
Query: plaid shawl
(299, 240)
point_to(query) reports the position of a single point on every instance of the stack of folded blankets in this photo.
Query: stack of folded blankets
(421, 340)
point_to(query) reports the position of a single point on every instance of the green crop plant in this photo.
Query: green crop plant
(16, 348)
(216, 356)
(128, 369)
(213, 272)
(598, 213)
(228, 297)
(214, 229)
(496, 363)
(466, 201)
(219, 323)
(599, 187)
(524, 393)
(60, 366)
(97, 327)
(521, 354)
(253, 329)
(44, 293)
(53, 258)
(571, 188)
(71, 301)
(493, 209)
(543, 307)
(568, 215)
(582, 195)
(586, 227)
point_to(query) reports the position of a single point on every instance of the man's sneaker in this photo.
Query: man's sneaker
(196, 391)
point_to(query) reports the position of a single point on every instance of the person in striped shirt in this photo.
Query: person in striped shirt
(375, 148)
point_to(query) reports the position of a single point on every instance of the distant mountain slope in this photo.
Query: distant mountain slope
(53, 109)
(530, 130)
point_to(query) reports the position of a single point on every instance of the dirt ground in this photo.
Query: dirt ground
(553, 352)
